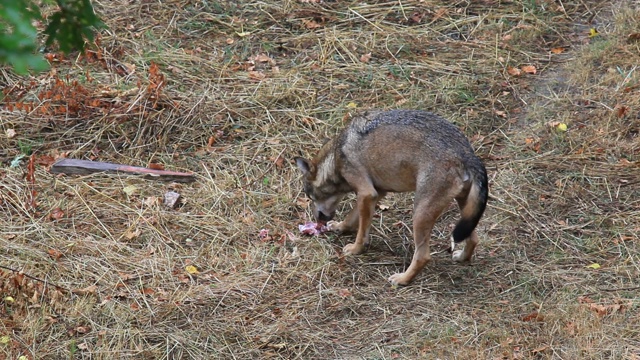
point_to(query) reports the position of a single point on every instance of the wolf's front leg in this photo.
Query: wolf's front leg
(348, 225)
(365, 206)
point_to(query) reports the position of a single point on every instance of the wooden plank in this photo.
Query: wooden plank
(85, 167)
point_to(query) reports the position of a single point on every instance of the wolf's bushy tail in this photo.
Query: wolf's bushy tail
(474, 204)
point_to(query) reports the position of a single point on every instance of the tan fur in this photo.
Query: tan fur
(398, 151)
(325, 170)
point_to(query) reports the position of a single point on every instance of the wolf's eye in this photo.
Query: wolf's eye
(307, 191)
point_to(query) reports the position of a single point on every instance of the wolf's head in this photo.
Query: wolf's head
(322, 186)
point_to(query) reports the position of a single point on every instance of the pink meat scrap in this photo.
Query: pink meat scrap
(312, 228)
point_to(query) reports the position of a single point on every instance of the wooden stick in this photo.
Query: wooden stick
(85, 167)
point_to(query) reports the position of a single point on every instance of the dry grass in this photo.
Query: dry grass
(266, 81)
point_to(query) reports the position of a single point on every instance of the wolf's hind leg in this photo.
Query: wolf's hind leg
(470, 243)
(466, 253)
(426, 211)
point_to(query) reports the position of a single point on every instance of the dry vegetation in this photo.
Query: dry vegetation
(232, 90)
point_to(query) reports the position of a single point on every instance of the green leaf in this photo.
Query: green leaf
(36, 62)
(69, 27)
(15, 163)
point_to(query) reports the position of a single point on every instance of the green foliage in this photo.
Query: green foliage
(18, 40)
(25, 147)
(74, 22)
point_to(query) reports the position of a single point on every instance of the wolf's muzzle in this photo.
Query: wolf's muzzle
(322, 217)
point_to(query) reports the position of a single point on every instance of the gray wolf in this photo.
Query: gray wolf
(399, 151)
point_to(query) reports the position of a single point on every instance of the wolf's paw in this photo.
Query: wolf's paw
(399, 279)
(353, 249)
(334, 226)
(460, 256)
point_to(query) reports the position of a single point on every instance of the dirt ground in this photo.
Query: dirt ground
(97, 267)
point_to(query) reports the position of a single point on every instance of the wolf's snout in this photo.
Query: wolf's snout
(322, 217)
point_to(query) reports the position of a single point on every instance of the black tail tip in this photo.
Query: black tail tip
(463, 230)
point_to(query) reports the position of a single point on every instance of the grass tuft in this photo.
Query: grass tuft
(232, 91)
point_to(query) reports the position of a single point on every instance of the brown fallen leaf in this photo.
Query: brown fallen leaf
(439, 13)
(601, 310)
(131, 234)
(529, 69)
(621, 110)
(540, 349)
(311, 24)
(156, 166)
(416, 17)
(514, 71)
(45, 160)
(633, 37)
(278, 162)
(151, 201)
(536, 146)
(56, 214)
(148, 291)
(126, 277)
(262, 58)
(257, 75)
(80, 330)
(55, 254)
(89, 290)
(533, 316)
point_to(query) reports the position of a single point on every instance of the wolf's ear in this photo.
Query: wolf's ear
(303, 165)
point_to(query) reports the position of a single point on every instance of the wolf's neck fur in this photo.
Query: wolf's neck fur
(326, 166)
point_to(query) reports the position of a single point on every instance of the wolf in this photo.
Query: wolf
(383, 151)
